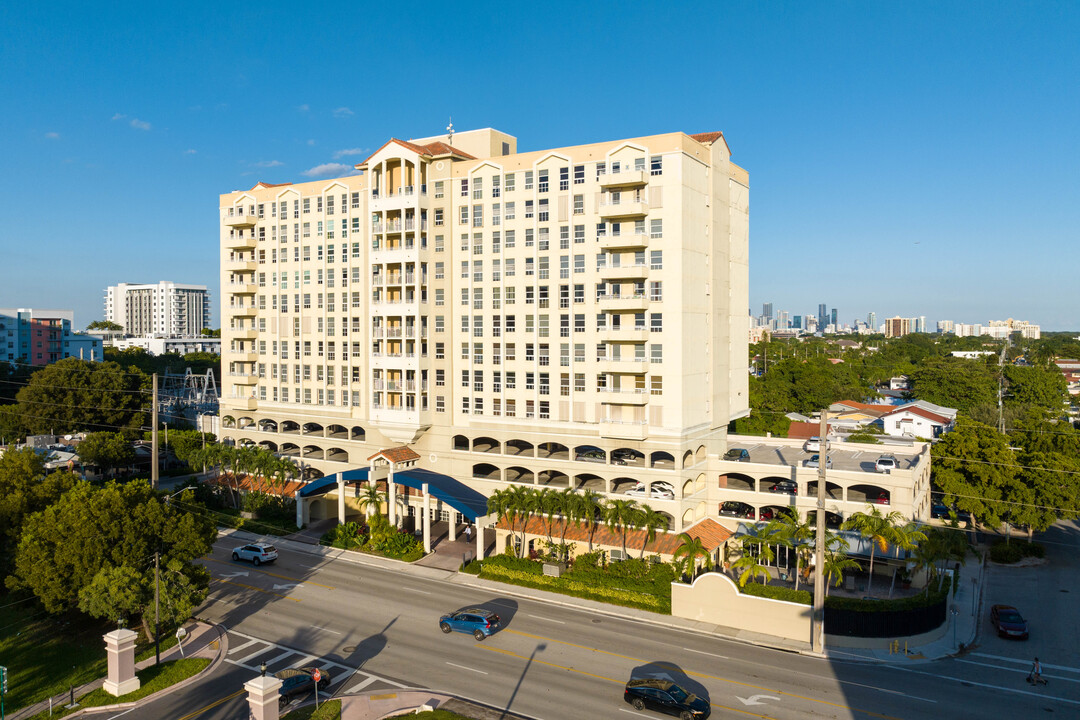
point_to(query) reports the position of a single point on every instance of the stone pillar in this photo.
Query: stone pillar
(391, 499)
(453, 525)
(302, 510)
(120, 649)
(263, 698)
(427, 519)
(479, 539)
(341, 500)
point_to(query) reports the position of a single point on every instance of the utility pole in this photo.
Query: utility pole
(817, 638)
(157, 593)
(153, 442)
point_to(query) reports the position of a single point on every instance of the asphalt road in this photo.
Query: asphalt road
(377, 630)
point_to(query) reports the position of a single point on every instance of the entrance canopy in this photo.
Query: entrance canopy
(329, 482)
(454, 493)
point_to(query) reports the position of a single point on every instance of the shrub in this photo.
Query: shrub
(777, 593)
(593, 559)
(1010, 552)
(346, 536)
(933, 597)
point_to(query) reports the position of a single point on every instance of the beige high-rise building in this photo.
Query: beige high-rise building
(573, 317)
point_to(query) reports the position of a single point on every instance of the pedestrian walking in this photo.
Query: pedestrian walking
(468, 533)
(1035, 676)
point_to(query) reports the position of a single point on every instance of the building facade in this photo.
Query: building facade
(165, 309)
(41, 337)
(163, 345)
(562, 318)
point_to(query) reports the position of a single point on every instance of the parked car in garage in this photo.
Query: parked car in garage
(812, 445)
(886, 463)
(816, 459)
(737, 455)
(1008, 622)
(659, 491)
(787, 487)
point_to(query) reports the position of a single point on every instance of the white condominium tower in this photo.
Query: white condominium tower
(573, 317)
(164, 308)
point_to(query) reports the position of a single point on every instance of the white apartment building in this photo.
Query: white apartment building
(565, 318)
(163, 309)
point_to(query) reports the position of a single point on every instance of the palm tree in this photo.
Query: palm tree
(836, 560)
(590, 509)
(795, 534)
(686, 555)
(877, 527)
(550, 505)
(521, 504)
(650, 521)
(571, 512)
(620, 516)
(763, 538)
(371, 499)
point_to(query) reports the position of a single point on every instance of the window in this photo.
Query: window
(564, 178)
(656, 291)
(543, 210)
(656, 167)
(579, 174)
(579, 263)
(478, 189)
(656, 322)
(465, 187)
(438, 217)
(438, 189)
(528, 209)
(656, 259)
(656, 228)
(601, 169)
(528, 179)
(478, 215)
(510, 182)
(511, 238)
(495, 189)
(579, 234)
(579, 204)
(564, 238)
(496, 214)
(463, 218)
(656, 353)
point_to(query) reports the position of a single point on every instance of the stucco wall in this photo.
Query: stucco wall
(714, 598)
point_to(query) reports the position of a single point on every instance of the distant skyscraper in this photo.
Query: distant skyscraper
(832, 318)
(822, 315)
(919, 324)
(766, 310)
(945, 326)
(871, 320)
(782, 320)
(796, 322)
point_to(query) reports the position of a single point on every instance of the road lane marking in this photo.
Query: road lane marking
(307, 658)
(422, 592)
(702, 652)
(360, 685)
(1017, 691)
(213, 705)
(541, 617)
(1019, 670)
(241, 661)
(463, 667)
(123, 713)
(316, 627)
(252, 587)
(885, 690)
(238, 648)
(1027, 662)
(266, 572)
(705, 675)
(282, 656)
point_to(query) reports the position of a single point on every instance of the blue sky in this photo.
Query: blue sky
(905, 158)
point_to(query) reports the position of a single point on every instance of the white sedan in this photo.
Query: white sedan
(659, 491)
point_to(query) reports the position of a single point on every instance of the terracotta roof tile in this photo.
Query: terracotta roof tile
(431, 149)
(397, 454)
(707, 138)
(712, 535)
(249, 483)
(268, 185)
(804, 430)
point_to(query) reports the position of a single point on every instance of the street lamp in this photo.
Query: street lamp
(262, 668)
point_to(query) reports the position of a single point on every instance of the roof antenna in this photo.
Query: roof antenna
(450, 132)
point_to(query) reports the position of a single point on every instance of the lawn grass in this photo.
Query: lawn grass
(152, 679)
(329, 710)
(49, 654)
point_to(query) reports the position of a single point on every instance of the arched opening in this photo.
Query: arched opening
(312, 473)
(228, 421)
(736, 509)
(771, 512)
(486, 471)
(486, 445)
(700, 455)
(833, 521)
(700, 482)
(552, 451)
(780, 485)
(461, 443)
(688, 488)
(587, 481)
(832, 490)
(245, 442)
(670, 521)
(313, 451)
(243, 422)
(336, 454)
(267, 445)
(688, 518)
(291, 427)
(519, 447)
(289, 450)
(553, 479)
(738, 481)
(268, 425)
(519, 475)
(628, 456)
(589, 453)
(662, 460)
(687, 459)
(358, 433)
(623, 484)
(338, 432)
(313, 428)
(870, 494)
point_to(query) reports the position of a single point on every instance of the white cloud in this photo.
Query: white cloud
(349, 151)
(190, 152)
(119, 116)
(342, 112)
(311, 141)
(329, 170)
(52, 135)
(303, 108)
(268, 163)
(139, 124)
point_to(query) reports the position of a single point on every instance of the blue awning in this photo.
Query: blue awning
(454, 493)
(325, 484)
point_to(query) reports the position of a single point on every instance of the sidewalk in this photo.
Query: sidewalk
(203, 640)
(964, 624)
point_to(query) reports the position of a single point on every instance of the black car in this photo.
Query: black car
(299, 681)
(737, 455)
(787, 487)
(944, 512)
(666, 697)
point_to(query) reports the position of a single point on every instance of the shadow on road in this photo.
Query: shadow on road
(670, 671)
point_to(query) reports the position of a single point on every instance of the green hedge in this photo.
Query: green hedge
(845, 603)
(778, 593)
(1010, 552)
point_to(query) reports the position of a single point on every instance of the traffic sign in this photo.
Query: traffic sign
(316, 676)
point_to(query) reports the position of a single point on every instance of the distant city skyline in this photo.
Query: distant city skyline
(872, 318)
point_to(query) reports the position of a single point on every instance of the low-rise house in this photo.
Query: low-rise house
(914, 421)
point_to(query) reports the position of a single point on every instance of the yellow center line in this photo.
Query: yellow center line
(264, 572)
(213, 705)
(252, 587)
(705, 675)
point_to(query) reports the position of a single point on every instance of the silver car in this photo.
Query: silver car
(256, 553)
(886, 463)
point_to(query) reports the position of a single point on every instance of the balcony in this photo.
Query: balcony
(237, 265)
(242, 310)
(624, 241)
(240, 219)
(624, 366)
(623, 208)
(624, 397)
(240, 243)
(239, 403)
(612, 303)
(243, 356)
(624, 178)
(624, 272)
(243, 378)
(624, 335)
(624, 429)
(244, 334)
(241, 288)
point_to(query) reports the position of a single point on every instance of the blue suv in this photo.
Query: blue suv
(477, 621)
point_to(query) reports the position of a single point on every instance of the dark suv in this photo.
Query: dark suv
(666, 697)
(299, 681)
(478, 622)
